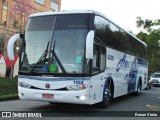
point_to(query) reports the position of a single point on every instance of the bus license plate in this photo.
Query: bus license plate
(49, 96)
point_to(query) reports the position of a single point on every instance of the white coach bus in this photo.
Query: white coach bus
(79, 57)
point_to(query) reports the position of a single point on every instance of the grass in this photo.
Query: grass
(8, 86)
(8, 96)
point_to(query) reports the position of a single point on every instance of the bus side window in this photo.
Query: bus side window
(99, 58)
(103, 58)
(96, 65)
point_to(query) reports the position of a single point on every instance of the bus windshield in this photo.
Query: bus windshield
(55, 44)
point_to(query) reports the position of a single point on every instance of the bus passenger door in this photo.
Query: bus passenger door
(98, 73)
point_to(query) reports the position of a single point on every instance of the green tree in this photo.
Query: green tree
(151, 36)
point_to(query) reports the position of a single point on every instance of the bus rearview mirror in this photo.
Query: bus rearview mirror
(10, 46)
(89, 45)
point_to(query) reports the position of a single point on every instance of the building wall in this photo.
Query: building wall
(9, 28)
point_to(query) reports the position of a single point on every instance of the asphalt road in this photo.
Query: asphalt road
(148, 101)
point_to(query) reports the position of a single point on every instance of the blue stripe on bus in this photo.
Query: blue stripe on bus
(110, 57)
(53, 79)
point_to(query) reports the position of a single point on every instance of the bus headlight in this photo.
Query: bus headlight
(25, 85)
(77, 87)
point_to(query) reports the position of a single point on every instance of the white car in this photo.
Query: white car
(155, 79)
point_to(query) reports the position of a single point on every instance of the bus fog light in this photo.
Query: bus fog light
(82, 97)
(21, 94)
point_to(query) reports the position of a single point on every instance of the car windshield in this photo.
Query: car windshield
(156, 75)
(54, 44)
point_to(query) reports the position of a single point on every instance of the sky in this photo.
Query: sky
(122, 12)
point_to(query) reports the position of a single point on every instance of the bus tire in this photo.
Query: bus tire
(51, 103)
(106, 97)
(137, 93)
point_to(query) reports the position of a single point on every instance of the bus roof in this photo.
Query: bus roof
(84, 12)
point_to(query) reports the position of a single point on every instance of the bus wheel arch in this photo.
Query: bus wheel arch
(112, 88)
(108, 93)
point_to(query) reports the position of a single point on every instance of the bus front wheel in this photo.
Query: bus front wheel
(106, 97)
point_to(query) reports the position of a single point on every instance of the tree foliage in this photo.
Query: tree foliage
(151, 36)
(21, 9)
(149, 25)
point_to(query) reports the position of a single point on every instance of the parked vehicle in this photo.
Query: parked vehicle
(155, 79)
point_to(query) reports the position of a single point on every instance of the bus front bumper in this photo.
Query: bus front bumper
(75, 97)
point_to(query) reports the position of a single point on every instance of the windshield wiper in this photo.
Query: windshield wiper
(58, 61)
(42, 58)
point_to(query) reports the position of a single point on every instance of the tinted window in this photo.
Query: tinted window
(40, 23)
(141, 50)
(116, 38)
(109, 33)
(114, 41)
(129, 47)
(101, 26)
(134, 47)
(67, 22)
(124, 40)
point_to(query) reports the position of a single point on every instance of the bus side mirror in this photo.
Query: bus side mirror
(89, 45)
(10, 46)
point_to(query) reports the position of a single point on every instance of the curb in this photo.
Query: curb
(9, 98)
